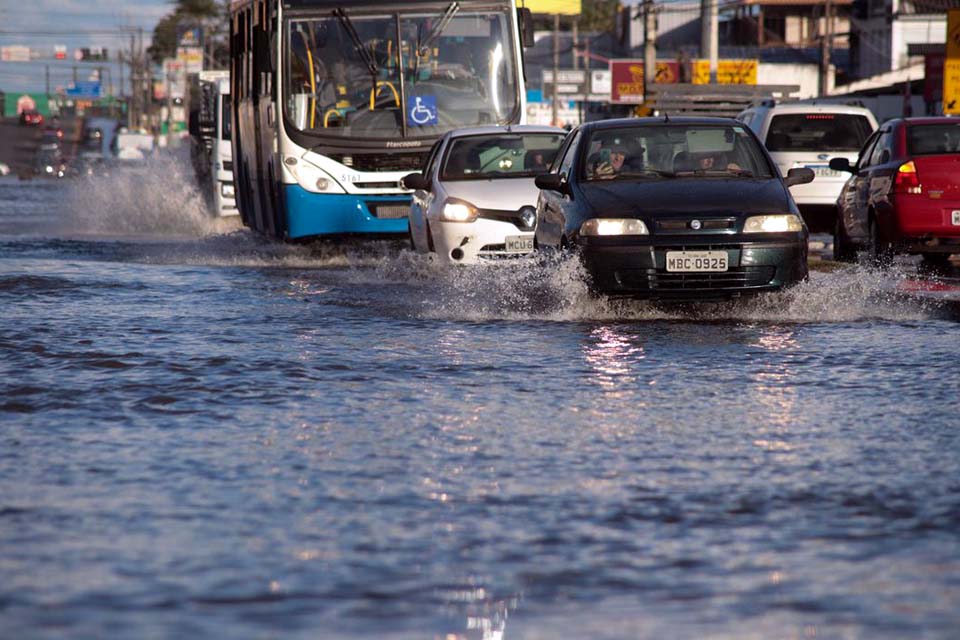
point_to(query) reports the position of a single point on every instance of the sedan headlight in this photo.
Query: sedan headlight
(226, 189)
(777, 223)
(458, 211)
(614, 227)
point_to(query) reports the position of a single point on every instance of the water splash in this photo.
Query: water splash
(157, 197)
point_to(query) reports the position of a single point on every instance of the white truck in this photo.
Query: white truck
(210, 130)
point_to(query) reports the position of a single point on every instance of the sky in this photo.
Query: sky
(42, 24)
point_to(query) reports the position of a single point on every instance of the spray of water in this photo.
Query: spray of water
(159, 200)
(156, 197)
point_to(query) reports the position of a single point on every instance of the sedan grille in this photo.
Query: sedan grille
(659, 280)
(683, 225)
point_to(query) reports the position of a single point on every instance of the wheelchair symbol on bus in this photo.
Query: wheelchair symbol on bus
(422, 110)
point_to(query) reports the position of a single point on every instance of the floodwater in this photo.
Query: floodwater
(207, 434)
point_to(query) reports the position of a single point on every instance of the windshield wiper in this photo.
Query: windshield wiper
(648, 172)
(423, 46)
(740, 173)
(365, 56)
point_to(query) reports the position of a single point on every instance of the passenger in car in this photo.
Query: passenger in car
(606, 169)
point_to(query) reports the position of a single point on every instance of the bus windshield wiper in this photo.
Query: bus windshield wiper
(365, 56)
(423, 46)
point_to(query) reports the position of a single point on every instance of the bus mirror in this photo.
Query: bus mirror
(525, 19)
(416, 181)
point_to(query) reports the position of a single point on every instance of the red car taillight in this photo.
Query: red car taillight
(907, 180)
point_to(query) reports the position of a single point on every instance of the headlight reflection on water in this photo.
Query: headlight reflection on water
(772, 388)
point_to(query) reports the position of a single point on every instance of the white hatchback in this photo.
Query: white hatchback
(809, 135)
(476, 200)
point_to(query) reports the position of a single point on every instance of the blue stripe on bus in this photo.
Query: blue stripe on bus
(316, 214)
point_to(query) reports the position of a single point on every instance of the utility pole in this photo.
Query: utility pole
(48, 79)
(649, 48)
(133, 114)
(556, 70)
(575, 42)
(709, 35)
(826, 41)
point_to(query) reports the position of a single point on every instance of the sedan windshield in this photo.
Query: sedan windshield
(413, 74)
(673, 150)
(485, 157)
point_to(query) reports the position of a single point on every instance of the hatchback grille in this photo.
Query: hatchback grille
(658, 280)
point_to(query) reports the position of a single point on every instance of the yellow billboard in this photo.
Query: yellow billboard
(563, 7)
(951, 66)
(728, 72)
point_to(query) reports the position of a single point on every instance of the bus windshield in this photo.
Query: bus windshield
(343, 72)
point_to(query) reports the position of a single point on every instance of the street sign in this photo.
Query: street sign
(626, 78)
(85, 89)
(60, 51)
(572, 84)
(562, 7)
(192, 58)
(728, 72)
(15, 53)
(951, 66)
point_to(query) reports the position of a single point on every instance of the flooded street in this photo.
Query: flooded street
(206, 433)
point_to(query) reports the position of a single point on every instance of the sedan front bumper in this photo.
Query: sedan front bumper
(637, 268)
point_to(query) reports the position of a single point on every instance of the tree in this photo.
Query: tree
(209, 15)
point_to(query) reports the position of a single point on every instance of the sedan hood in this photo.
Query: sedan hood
(684, 196)
(500, 195)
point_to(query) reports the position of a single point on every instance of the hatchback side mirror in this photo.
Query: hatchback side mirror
(799, 175)
(841, 164)
(416, 181)
(551, 182)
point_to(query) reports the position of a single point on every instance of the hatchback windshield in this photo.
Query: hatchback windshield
(933, 139)
(649, 152)
(500, 156)
(817, 132)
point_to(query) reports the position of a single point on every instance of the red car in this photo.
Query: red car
(904, 196)
(34, 118)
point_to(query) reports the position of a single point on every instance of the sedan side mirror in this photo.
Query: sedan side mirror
(416, 181)
(800, 175)
(841, 164)
(551, 182)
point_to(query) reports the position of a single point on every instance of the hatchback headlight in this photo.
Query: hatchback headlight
(458, 211)
(614, 227)
(777, 223)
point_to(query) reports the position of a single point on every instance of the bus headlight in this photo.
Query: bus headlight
(226, 189)
(311, 177)
(777, 223)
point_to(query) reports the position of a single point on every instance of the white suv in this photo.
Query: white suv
(807, 135)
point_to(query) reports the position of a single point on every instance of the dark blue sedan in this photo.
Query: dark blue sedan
(688, 208)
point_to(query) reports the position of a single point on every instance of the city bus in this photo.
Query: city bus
(335, 102)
